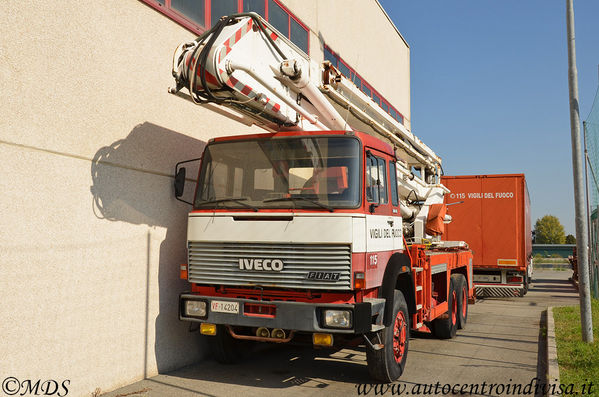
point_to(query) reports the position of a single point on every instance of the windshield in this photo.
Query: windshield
(297, 172)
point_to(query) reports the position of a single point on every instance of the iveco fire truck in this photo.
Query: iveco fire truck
(326, 227)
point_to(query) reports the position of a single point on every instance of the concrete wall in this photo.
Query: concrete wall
(90, 235)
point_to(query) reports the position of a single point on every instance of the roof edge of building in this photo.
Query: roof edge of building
(391, 22)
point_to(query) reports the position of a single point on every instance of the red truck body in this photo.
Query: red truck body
(492, 214)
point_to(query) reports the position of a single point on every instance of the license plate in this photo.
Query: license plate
(224, 307)
(487, 278)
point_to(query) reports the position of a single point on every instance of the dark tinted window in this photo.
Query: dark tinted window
(299, 35)
(357, 81)
(220, 8)
(385, 106)
(344, 69)
(376, 98)
(278, 18)
(328, 56)
(192, 9)
(366, 90)
(256, 6)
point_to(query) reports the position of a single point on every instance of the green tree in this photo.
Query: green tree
(549, 230)
(570, 239)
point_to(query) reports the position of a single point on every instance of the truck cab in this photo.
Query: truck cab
(298, 233)
(309, 213)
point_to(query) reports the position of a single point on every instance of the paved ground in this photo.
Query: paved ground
(503, 343)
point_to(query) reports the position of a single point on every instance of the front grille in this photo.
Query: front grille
(218, 263)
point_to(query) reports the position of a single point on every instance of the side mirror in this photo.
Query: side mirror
(180, 173)
(180, 182)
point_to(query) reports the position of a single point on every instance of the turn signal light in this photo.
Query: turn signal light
(183, 272)
(359, 281)
(322, 339)
(208, 329)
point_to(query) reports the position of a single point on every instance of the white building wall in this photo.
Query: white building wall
(91, 237)
(360, 32)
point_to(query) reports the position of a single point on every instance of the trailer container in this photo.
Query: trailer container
(492, 214)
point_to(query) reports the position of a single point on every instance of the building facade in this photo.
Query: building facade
(91, 235)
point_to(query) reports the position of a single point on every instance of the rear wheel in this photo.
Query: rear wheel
(388, 363)
(462, 300)
(225, 348)
(446, 326)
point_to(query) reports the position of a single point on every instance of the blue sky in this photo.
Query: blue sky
(490, 88)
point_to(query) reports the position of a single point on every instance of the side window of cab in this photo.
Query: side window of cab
(376, 179)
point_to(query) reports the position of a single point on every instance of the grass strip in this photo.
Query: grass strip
(578, 361)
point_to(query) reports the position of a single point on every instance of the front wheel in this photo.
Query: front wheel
(388, 363)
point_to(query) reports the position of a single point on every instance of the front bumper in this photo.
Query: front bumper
(297, 316)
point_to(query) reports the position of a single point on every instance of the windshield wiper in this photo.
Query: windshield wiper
(293, 198)
(238, 200)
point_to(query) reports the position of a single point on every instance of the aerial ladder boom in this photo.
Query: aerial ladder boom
(246, 65)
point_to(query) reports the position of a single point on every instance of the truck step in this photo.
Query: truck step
(419, 288)
(419, 325)
(375, 301)
(418, 307)
(417, 269)
(377, 304)
(376, 327)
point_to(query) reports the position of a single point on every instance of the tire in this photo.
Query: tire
(388, 364)
(526, 284)
(225, 348)
(446, 328)
(462, 300)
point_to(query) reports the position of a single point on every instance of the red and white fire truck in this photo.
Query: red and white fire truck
(328, 226)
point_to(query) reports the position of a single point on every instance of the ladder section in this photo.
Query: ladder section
(422, 289)
(418, 277)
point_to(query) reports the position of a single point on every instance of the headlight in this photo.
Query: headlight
(337, 318)
(195, 308)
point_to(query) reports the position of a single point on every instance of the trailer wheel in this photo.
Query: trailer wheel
(462, 300)
(388, 363)
(225, 348)
(446, 327)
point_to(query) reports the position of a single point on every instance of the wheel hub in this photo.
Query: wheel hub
(400, 333)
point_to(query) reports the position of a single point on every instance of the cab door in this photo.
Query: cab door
(383, 219)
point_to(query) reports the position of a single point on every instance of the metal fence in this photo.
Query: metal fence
(591, 141)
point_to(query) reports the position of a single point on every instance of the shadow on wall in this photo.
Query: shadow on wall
(133, 183)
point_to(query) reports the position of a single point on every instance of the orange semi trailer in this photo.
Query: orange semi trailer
(492, 214)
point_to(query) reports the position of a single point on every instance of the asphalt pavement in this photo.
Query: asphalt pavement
(503, 345)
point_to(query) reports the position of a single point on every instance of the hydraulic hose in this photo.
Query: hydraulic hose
(214, 32)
